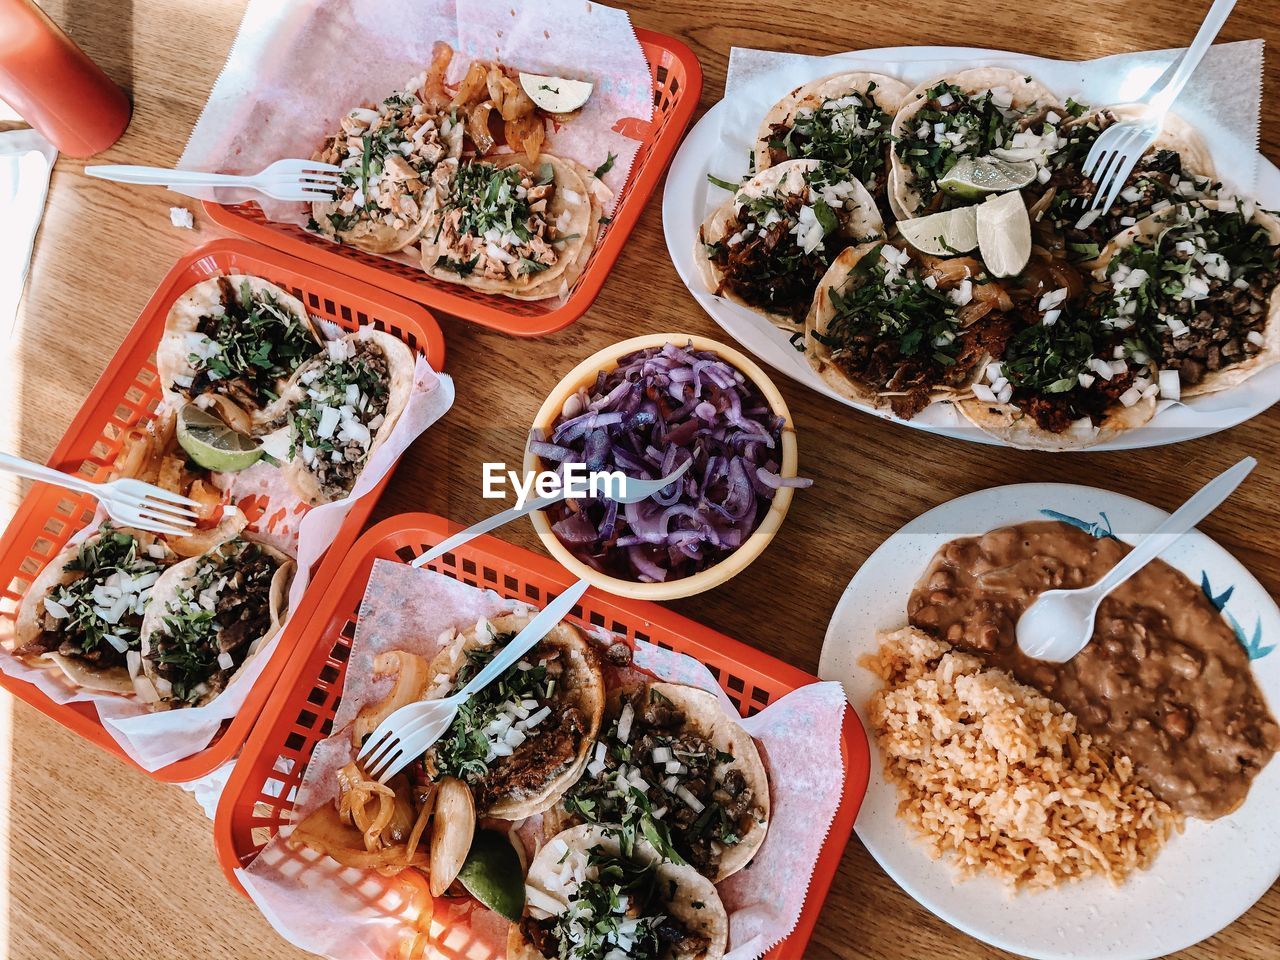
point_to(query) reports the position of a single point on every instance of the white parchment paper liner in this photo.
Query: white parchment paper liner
(155, 740)
(1222, 101)
(407, 609)
(297, 66)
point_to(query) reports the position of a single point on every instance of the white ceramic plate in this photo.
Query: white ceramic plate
(1200, 882)
(688, 198)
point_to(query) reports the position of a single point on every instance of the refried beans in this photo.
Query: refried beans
(1164, 679)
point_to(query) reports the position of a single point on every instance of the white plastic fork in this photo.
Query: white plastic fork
(1119, 147)
(632, 491)
(410, 731)
(307, 180)
(130, 503)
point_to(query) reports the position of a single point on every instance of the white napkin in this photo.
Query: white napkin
(26, 158)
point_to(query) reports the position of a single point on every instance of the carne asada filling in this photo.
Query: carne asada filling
(849, 132)
(898, 330)
(248, 349)
(650, 779)
(496, 221)
(618, 908)
(221, 609)
(1197, 295)
(387, 153)
(344, 406)
(97, 617)
(515, 735)
(777, 246)
(954, 124)
(1065, 371)
(1157, 181)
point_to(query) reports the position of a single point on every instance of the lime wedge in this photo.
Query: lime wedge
(212, 444)
(972, 177)
(1004, 234)
(492, 874)
(942, 234)
(555, 94)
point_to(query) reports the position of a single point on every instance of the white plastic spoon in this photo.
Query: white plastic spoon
(1059, 623)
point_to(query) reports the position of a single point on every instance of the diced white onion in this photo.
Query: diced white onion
(625, 719)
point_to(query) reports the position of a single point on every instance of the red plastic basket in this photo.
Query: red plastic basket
(677, 84)
(128, 393)
(258, 799)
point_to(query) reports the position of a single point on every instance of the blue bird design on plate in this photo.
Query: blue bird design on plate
(1252, 643)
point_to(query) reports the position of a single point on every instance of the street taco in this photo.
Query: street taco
(1178, 167)
(843, 120)
(1194, 286)
(232, 342)
(768, 246)
(586, 900)
(987, 114)
(83, 614)
(341, 407)
(513, 227)
(523, 740)
(892, 327)
(674, 769)
(1062, 383)
(208, 617)
(387, 153)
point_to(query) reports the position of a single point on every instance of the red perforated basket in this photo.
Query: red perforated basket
(128, 393)
(677, 84)
(258, 799)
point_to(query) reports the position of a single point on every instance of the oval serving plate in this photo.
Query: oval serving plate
(1203, 879)
(688, 197)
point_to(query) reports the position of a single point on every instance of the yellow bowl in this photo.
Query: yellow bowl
(584, 375)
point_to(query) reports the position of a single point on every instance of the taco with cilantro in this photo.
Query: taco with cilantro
(843, 120)
(673, 769)
(991, 116)
(1065, 381)
(83, 613)
(387, 153)
(232, 343)
(586, 899)
(208, 617)
(1177, 168)
(522, 741)
(894, 327)
(1196, 288)
(513, 226)
(341, 407)
(768, 246)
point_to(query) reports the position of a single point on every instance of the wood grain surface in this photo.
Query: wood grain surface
(104, 863)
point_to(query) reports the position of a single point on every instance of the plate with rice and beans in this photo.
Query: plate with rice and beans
(1077, 810)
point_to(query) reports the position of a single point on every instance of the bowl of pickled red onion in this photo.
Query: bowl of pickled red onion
(643, 407)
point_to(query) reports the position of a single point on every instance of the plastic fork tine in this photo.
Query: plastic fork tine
(1102, 182)
(1119, 179)
(168, 510)
(1119, 166)
(160, 493)
(165, 518)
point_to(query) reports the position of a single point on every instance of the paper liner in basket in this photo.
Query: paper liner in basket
(324, 908)
(155, 740)
(297, 67)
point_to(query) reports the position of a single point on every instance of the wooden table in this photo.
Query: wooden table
(105, 863)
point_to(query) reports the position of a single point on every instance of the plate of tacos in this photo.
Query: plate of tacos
(590, 806)
(249, 379)
(916, 242)
(462, 180)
